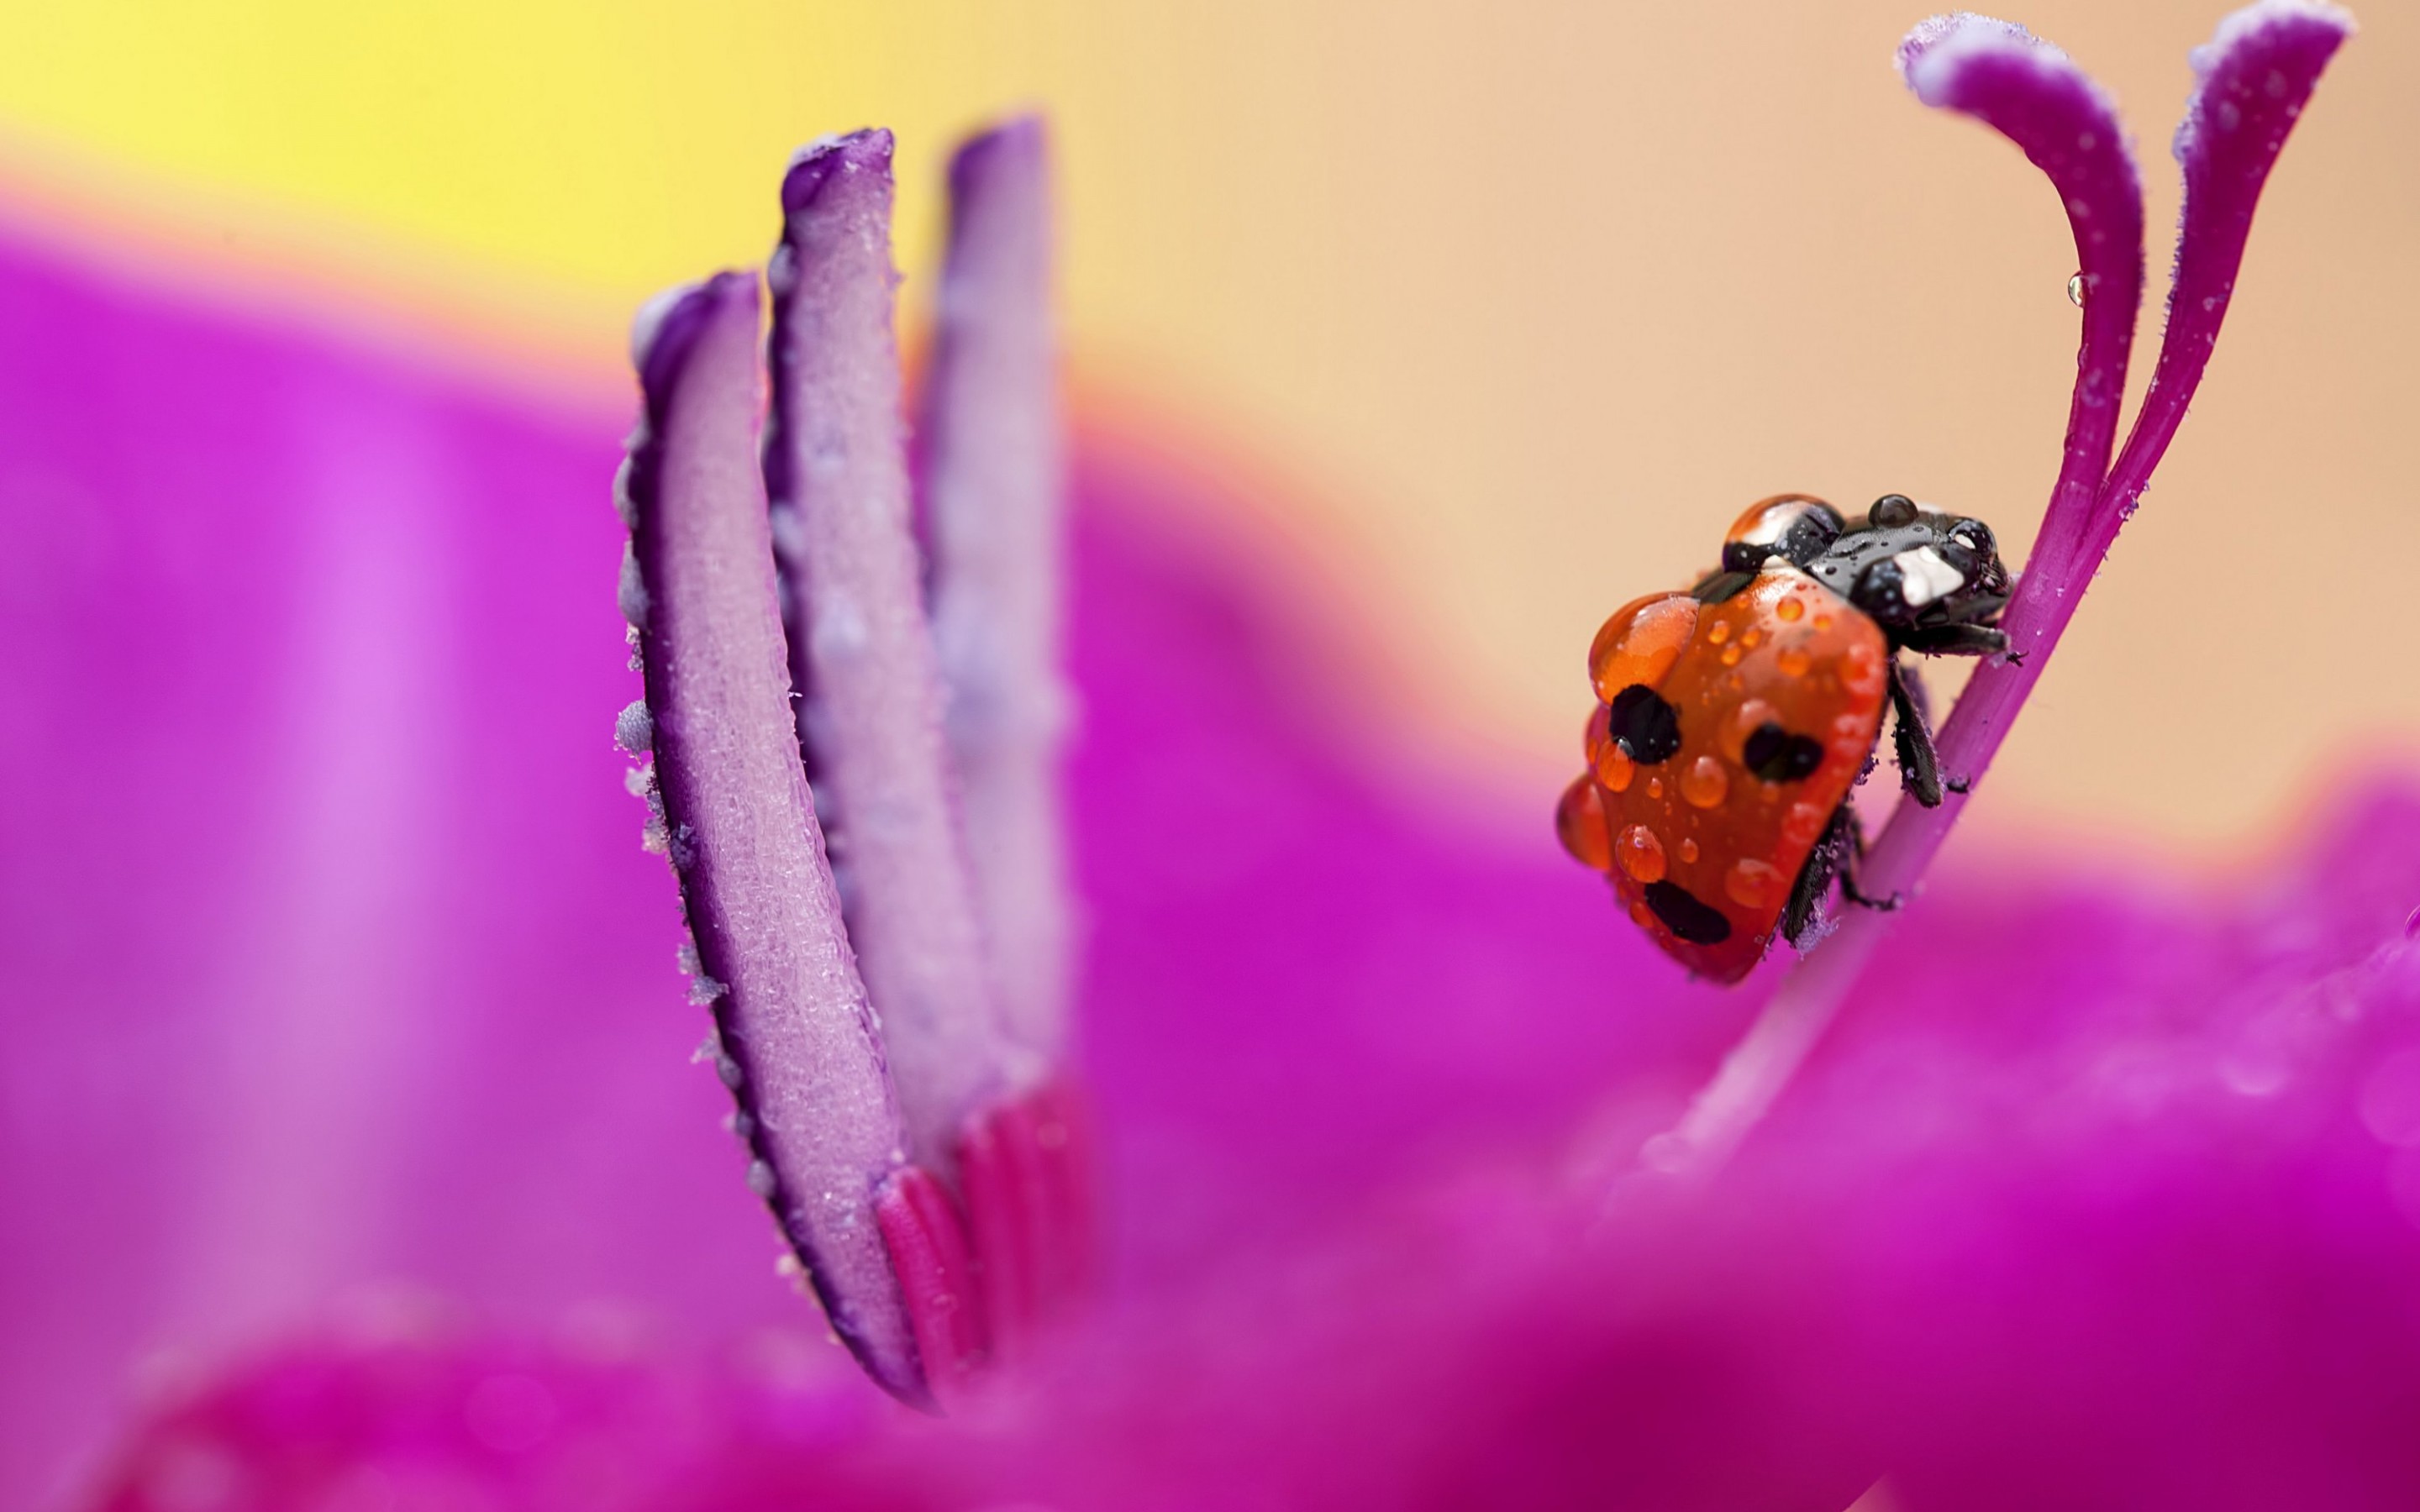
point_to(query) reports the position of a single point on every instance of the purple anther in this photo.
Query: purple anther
(729, 806)
(994, 487)
(862, 652)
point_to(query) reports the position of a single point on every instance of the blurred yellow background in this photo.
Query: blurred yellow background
(1525, 301)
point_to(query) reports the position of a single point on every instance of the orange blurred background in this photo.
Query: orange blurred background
(1508, 312)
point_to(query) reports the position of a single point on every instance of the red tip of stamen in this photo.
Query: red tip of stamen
(927, 1242)
(1027, 1169)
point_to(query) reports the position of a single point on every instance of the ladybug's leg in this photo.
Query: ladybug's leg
(1833, 856)
(1852, 850)
(1919, 764)
(1954, 640)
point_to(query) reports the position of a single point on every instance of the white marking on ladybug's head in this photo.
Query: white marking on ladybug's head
(1923, 577)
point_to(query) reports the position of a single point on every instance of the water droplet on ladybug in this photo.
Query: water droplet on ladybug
(1688, 849)
(1802, 824)
(1654, 787)
(1788, 608)
(1600, 732)
(1642, 916)
(1718, 632)
(1752, 638)
(1705, 782)
(1861, 670)
(1794, 662)
(1753, 884)
(1745, 720)
(1579, 824)
(1824, 622)
(1614, 767)
(2075, 291)
(1640, 642)
(1639, 853)
(1730, 655)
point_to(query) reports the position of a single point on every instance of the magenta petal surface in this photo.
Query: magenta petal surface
(795, 1040)
(862, 648)
(2137, 1226)
(330, 959)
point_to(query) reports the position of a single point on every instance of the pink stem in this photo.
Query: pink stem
(927, 1244)
(2254, 77)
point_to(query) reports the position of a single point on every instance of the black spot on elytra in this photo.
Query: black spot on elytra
(1775, 755)
(1684, 915)
(1647, 727)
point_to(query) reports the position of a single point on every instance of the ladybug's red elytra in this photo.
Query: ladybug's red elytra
(1732, 719)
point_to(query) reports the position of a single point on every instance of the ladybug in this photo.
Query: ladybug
(1733, 719)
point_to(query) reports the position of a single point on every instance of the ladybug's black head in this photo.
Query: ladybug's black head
(1910, 568)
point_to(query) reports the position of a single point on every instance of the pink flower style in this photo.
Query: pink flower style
(330, 964)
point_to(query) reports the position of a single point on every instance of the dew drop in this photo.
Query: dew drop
(1614, 767)
(1753, 884)
(1705, 782)
(2075, 291)
(1579, 824)
(1640, 854)
(1745, 720)
(1752, 638)
(1688, 851)
(1730, 655)
(1802, 824)
(1718, 632)
(1794, 662)
(1789, 608)
(1642, 916)
(1599, 736)
(1654, 787)
(1824, 622)
(1640, 642)
(1861, 670)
